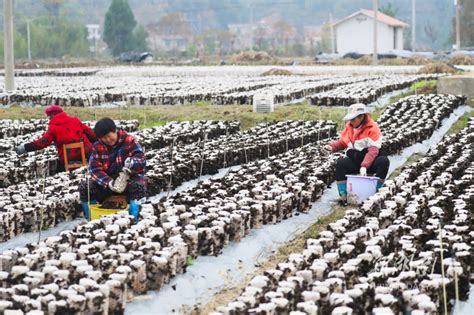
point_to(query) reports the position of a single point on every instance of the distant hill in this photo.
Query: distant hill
(434, 18)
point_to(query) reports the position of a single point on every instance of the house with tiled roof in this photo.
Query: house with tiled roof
(354, 33)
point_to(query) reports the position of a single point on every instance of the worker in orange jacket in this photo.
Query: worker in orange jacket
(362, 139)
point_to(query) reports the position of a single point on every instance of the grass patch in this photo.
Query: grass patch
(377, 112)
(412, 159)
(150, 116)
(420, 87)
(298, 244)
(462, 122)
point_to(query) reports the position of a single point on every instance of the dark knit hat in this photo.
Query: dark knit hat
(53, 110)
(104, 126)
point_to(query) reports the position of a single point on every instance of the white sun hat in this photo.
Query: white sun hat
(355, 110)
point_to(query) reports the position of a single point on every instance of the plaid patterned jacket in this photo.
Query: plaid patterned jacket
(106, 162)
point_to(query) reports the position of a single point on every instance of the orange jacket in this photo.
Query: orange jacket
(367, 136)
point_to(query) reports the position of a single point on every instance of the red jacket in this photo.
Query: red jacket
(64, 129)
(367, 136)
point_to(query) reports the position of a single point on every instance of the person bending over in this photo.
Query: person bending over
(62, 129)
(362, 139)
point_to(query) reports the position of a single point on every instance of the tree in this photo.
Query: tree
(283, 32)
(53, 6)
(259, 36)
(19, 45)
(140, 36)
(174, 24)
(431, 32)
(389, 9)
(325, 45)
(119, 29)
(51, 37)
(467, 23)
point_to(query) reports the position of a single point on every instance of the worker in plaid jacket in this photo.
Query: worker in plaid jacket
(117, 166)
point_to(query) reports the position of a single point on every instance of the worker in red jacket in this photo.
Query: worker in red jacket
(62, 129)
(362, 139)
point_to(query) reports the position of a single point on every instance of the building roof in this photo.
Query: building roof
(380, 17)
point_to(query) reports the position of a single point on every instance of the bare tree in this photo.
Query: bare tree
(283, 32)
(431, 32)
(173, 24)
(325, 45)
(53, 6)
(259, 37)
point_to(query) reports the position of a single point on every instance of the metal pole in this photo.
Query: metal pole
(376, 9)
(200, 23)
(413, 25)
(251, 25)
(458, 25)
(28, 37)
(95, 47)
(333, 43)
(8, 45)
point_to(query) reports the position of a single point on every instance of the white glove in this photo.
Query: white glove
(20, 149)
(112, 187)
(363, 171)
(328, 148)
(128, 163)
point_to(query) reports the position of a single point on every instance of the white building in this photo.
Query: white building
(93, 35)
(355, 33)
(93, 32)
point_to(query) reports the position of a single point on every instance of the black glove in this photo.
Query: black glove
(20, 149)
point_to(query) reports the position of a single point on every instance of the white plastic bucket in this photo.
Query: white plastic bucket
(359, 188)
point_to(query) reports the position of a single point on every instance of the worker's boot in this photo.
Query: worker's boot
(379, 185)
(86, 210)
(134, 209)
(342, 188)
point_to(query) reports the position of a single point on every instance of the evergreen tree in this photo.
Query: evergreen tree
(389, 9)
(139, 39)
(119, 29)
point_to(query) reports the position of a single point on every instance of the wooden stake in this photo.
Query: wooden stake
(172, 168)
(456, 291)
(42, 208)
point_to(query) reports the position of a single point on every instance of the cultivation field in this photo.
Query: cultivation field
(408, 246)
(221, 86)
(213, 183)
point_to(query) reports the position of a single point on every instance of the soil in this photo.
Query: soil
(111, 205)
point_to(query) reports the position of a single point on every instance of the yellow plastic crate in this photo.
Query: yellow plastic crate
(96, 212)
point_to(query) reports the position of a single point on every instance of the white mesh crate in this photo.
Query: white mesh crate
(263, 103)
